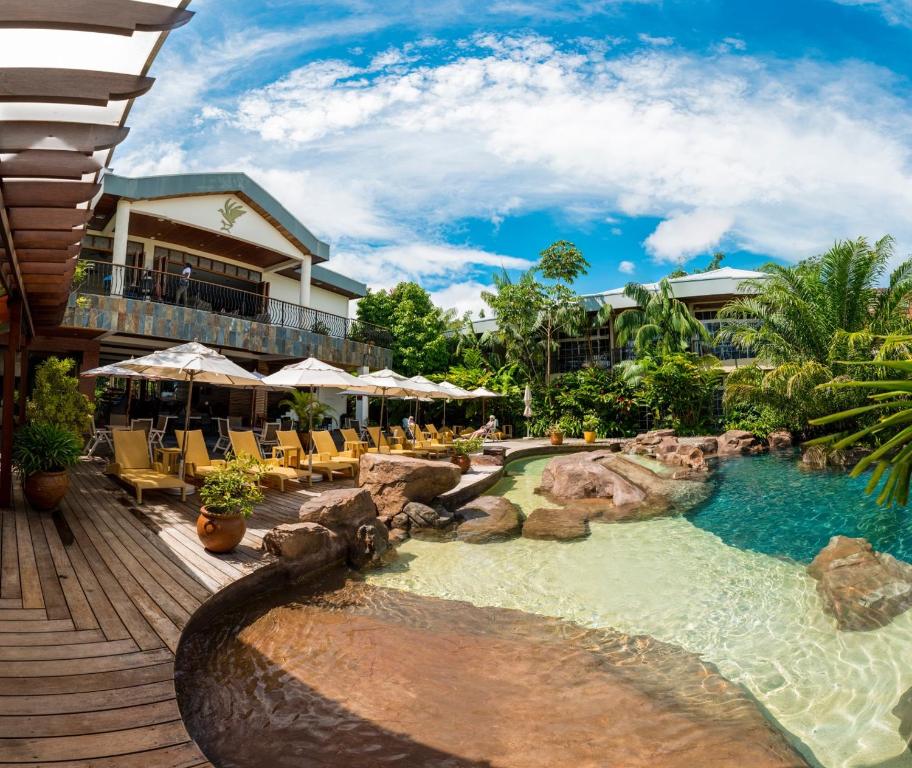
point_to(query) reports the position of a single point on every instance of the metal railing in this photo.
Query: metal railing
(106, 279)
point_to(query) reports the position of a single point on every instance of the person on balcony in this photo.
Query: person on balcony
(183, 285)
(146, 285)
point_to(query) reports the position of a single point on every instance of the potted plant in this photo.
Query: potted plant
(556, 433)
(229, 495)
(590, 426)
(41, 455)
(462, 450)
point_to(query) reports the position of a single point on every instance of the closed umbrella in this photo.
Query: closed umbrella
(527, 411)
(192, 362)
(312, 374)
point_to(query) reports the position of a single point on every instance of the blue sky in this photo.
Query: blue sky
(439, 141)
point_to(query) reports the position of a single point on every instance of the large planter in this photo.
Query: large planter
(462, 461)
(589, 437)
(44, 490)
(220, 533)
(557, 438)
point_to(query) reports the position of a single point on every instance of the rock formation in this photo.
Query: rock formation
(488, 518)
(351, 514)
(556, 524)
(779, 440)
(422, 521)
(304, 540)
(665, 446)
(739, 441)
(394, 481)
(591, 475)
(861, 588)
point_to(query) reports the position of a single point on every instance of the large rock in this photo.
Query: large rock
(561, 524)
(394, 481)
(352, 515)
(779, 440)
(304, 540)
(489, 518)
(588, 476)
(861, 588)
(739, 441)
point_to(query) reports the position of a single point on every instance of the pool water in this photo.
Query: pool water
(771, 504)
(728, 582)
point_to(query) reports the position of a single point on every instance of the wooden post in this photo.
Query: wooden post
(9, 387)
(23, 381)
(89, 361)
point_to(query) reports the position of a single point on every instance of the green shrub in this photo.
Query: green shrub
(467, 447)
(591, 423)
(56, 398)
(233, 489)
(680, 390)
(41, 447)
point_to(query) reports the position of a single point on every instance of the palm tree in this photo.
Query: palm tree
(660, 324)
(305, 405)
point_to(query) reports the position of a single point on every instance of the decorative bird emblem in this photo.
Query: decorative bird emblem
(230, 214)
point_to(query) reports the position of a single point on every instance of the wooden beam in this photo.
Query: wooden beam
(23, 380)
(14, 305)
(44, 85)
(22, 135)
(47, 219)
(112, 17)
(49, 164)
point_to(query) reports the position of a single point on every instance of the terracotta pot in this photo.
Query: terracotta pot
(44, 490)
(589, 437)
(557, 438)
(220, 533)
(462, 461)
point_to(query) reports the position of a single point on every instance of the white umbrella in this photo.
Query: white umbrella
(392, 384)
(484, 394)
(455, 393)
(192, 363)
(437, 393)
(527, 411)
(313, 373)
(117, 371)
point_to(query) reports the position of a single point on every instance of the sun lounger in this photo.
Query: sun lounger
(245, 444)
(416, 446)
(197, 463)
(353, 443)
(132, 465)
(382, 445)
(324, 443)
(295, 456)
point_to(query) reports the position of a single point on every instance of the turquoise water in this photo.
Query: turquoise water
(728, 582)
(771, 504)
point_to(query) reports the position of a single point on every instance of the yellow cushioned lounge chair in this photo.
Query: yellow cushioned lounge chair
(382, 445)
(418, 447)
(324, 443)
(245, 444)
(353, 444)
(296, 456)
(198, 464)
(443, 436)
(133, 466)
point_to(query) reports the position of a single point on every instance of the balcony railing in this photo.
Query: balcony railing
(106, 279)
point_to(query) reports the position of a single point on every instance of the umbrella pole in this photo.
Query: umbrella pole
(183, 460)
(310, 438)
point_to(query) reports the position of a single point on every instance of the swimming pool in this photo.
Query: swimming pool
(728, 582)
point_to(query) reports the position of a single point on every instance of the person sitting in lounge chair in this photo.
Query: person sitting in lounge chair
(486, 430)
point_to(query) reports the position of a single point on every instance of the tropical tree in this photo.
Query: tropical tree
(660, 324)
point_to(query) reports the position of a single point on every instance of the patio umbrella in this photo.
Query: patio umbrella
(527, 411)
(312, 374)
(483, 394)
(192, 363)
(455, 393)
(117, 371)
(437, 393)
(388, 383)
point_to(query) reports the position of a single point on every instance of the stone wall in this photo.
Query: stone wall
(134, 317)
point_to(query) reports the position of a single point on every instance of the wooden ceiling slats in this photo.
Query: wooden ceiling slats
(69, 86)
(114, 17)
(41, 239)
(48, 194)
(49, 255)
(46, 219)
(49, 164)
(22, 135)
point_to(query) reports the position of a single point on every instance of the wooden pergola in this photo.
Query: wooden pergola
(69, 72)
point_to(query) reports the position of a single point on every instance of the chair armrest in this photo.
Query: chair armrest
(157, 466)
(113, 468)
(218, 463)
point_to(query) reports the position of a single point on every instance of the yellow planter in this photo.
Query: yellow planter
(589, 437)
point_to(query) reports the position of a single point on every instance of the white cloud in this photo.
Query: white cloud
(627, 267)
(776, 157)
(462, 296)
(897, 12)
(687, 234)
(153, 160)
(657, 41)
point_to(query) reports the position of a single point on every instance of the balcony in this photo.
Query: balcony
(133, 301)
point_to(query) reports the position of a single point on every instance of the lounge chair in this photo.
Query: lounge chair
(245, 444)
(197, 463)
(442, 436)
(353, 443)
(132, 465)
(98, 436)
(417, 447)
(321, 463)
(324, 443)
(382, 445)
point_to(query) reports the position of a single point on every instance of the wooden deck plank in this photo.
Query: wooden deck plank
(57, 625)
(63, 703)
(51, 638)
(10, 587)
(67, 667)
(51, 591)
(85, 683)
(66, 651)
(81, 723)
(76, 600)
(186, 755)
(28, 569)
(24, 614)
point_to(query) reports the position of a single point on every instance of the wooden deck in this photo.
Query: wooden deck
(92, 602)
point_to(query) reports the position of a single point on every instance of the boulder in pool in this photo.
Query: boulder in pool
(423, 521)
(556, 524)
(862, 589)
(310, 542)
(779, 440)
(740, 442)
(394, 481)
(352, 515)
(592, 475)
(488, 518)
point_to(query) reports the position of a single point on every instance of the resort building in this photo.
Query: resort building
(704, 294)
(212, 258)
